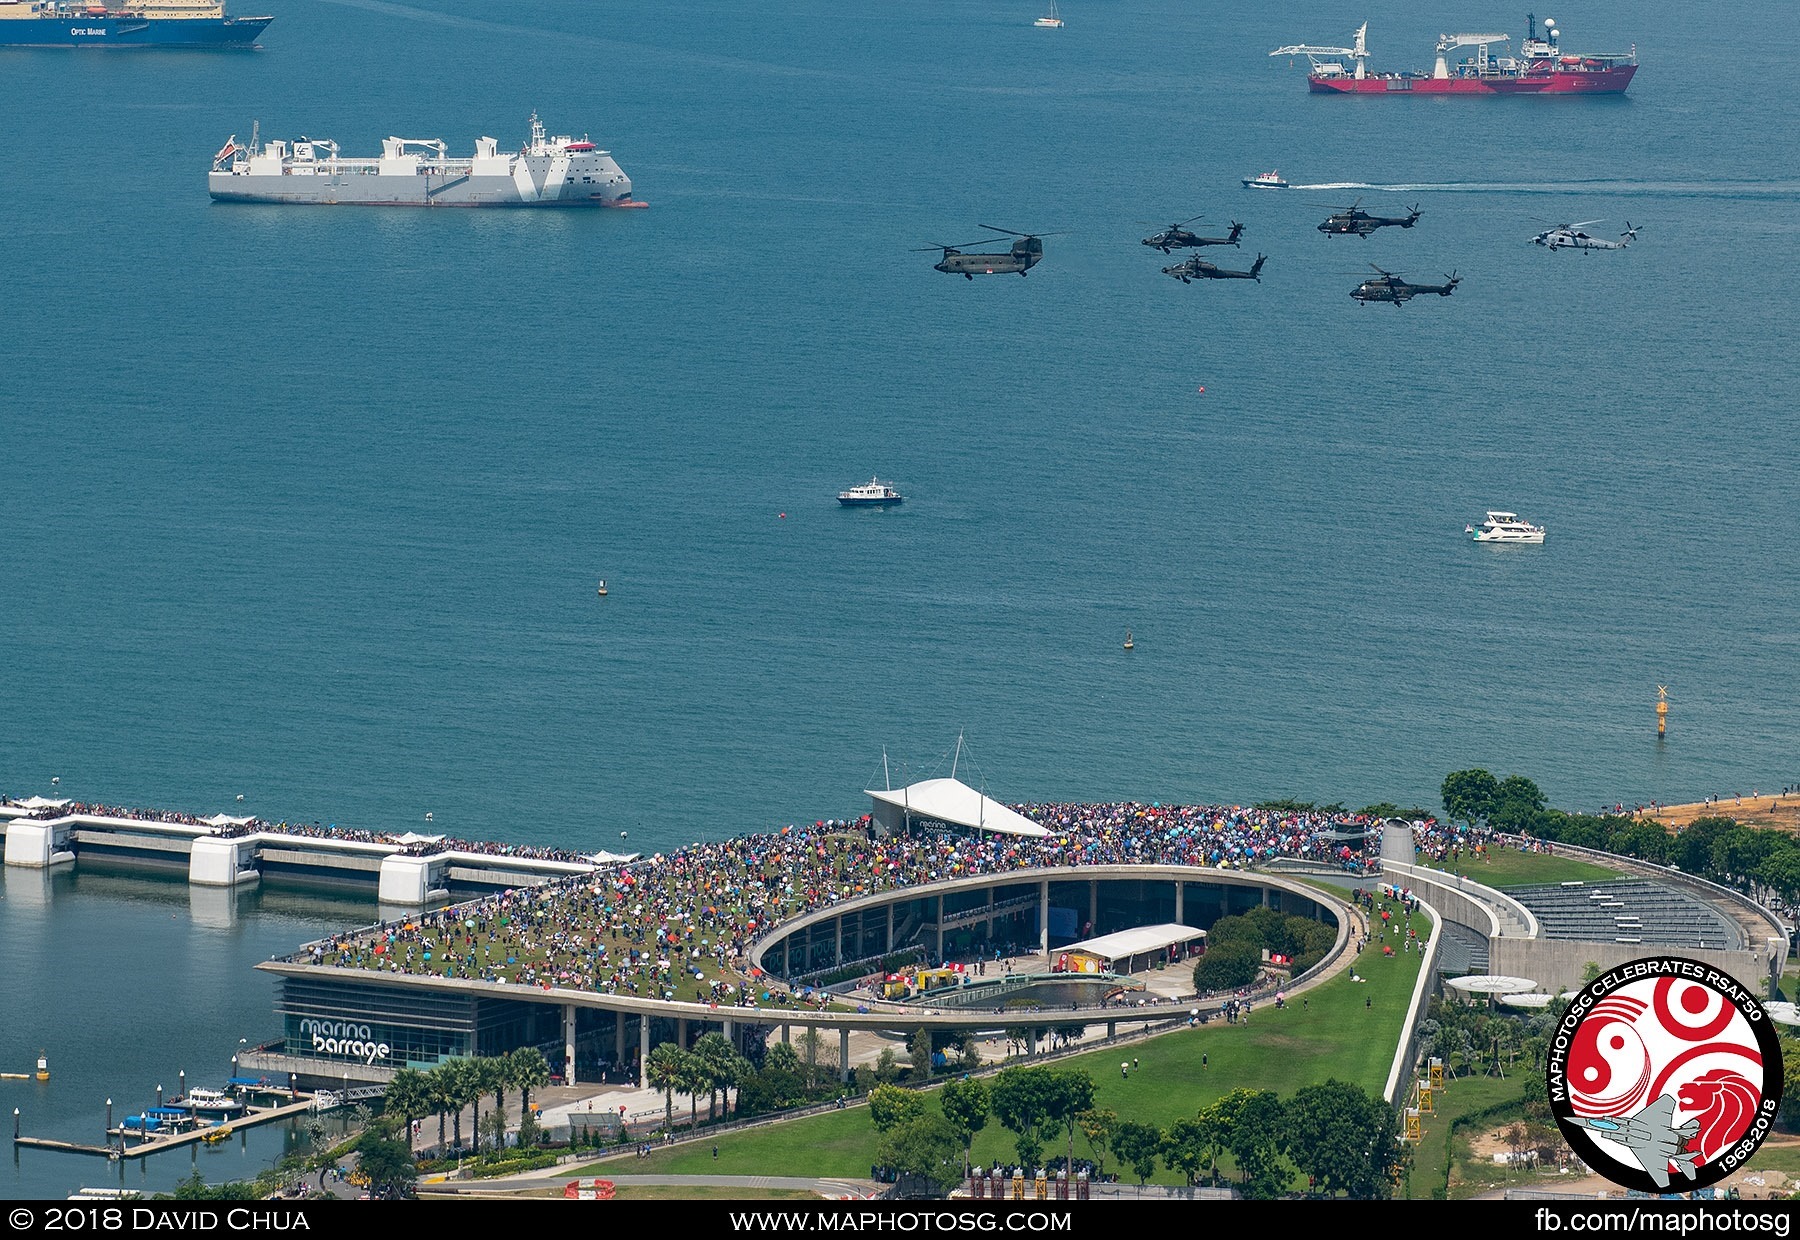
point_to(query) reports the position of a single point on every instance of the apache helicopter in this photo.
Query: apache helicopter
(1570, 237)
(1353, 221)
(1026, 253)
(1177, 236)
(1190, 269)
(1388, 286)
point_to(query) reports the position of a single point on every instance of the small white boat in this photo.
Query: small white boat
(210, 1102)
(601, 592)
(1265, 180)
(1505, 527)
(874, 491)
(1049, 19)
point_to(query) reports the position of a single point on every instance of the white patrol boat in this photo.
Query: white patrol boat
(1505, 527)
(556, 171)
(874, 491)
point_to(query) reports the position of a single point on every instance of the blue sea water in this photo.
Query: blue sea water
(309, 505)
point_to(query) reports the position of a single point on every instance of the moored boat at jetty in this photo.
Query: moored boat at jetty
(559, 171)
(130, 23)
(1540, 68)
(209, 1102)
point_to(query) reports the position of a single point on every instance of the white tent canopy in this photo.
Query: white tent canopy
(410, 838)
(42, 803)
(953, 803)
(226, 820)
(1128, 943)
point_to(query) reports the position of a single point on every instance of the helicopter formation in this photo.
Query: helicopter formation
(1027, 250)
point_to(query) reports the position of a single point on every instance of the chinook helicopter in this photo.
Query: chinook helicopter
(1026, 253)
(1195, 268)
(1388, 286)
(1571, 237)
(1177, 236)
(1353, 221)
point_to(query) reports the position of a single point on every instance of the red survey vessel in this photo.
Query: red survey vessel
(1541, 68)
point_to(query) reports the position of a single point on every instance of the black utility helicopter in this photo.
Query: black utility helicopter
(1353, 221)
(1177, 236)
(1571, 237)
(1190, 269)
(1388, 286)
(1026, 253)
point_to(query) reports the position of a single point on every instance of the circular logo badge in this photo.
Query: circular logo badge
(1664, 1074)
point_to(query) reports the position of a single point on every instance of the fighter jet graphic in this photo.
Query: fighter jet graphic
(1650, 1137)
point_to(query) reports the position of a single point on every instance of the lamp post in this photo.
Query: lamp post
(109, 1117)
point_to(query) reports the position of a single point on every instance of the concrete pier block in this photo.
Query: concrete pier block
(32, 845)
(217, 863)
(405, 880)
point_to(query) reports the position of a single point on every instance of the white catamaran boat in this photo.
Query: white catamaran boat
(1505, 527)
(1049, 19)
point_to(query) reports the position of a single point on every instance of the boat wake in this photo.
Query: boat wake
(1661, 189)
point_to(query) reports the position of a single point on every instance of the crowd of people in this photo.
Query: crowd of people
(679, 925)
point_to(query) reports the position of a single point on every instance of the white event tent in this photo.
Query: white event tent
(947, 803)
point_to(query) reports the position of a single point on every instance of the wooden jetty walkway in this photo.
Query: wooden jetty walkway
(156, 1143)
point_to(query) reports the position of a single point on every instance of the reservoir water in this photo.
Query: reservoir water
(308, 505)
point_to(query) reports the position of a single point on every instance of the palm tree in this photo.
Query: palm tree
(693, 1075)
(716, 1053)
(462, 1078)
(408, 1097)
(528, 1070)
(494, 1077)
(662, 1070)
(437, 1082)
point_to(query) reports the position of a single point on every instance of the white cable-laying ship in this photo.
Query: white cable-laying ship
(559, 171)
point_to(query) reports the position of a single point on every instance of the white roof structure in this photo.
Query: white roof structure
(1491, 984)
(42, 803)
(1126, 943)
(226, 820)
(411, 838)
(954, 802)
(612, 858)
(1527, 999)
(1783, 1012)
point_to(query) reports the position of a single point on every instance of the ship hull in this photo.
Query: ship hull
(364, 190)
(224, 34)
(1592, 82)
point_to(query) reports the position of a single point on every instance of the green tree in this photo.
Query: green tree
(1097, 1128)
(1790, 1072)
(1071, 1094)
(1248, 1123)
(918, 1051)
(1187, 1147)
(1345, 1138)
(194, 1188)
(1228, 965)
(1137, 1145)
(891, 1106)
(495, 1078)
(662, 1070)
(389, 1166)
(1469, 796)
(1022, 1099)
(887, 1066)
(966, 1105)
(408, 1097)
(718, 1054)
(926, 1147)
(464, 1083)
(442, 1088)
(528, 1070)
(693, 1078)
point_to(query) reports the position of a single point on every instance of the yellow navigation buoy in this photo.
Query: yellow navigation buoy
(1662, 711)
(43, 1068)
(1128, 642)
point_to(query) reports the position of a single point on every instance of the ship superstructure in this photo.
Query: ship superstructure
(1540, 68)
(128, 23)
(560, 171)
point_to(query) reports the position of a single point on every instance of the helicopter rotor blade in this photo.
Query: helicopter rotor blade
(1585, 223)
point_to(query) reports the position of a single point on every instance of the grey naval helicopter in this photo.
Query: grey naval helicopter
(1571, 237)
(1388, 286)
(1026, 253)
(1177, 236)
(1195, 268)
(1353, 221)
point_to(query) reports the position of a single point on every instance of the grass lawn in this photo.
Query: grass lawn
(1507, 867)
(1345, 1029)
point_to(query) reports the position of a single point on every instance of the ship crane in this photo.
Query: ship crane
(1450, 42)
(429, 144)
(1334, 68)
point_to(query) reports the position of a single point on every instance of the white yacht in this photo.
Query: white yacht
(1505, 527)
(874, 491)
(1052, 18)
(210, 1102)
